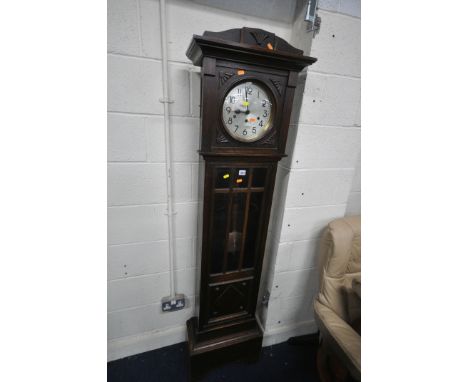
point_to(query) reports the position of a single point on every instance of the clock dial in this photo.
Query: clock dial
(248, 111)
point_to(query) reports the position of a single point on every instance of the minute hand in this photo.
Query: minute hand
(247, 101)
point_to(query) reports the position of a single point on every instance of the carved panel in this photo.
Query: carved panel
(229, 299)
(277, 85)
(270, 140)
(221, 138)
(223, 77)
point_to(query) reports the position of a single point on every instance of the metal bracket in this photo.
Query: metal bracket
(313, 20)
(266, 298)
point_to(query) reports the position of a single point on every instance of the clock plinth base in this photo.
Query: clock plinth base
(207, 350)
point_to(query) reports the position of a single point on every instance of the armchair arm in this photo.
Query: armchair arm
(345, 342)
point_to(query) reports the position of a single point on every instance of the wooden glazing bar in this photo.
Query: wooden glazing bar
(246, 220)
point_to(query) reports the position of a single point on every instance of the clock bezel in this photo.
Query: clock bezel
(273, 100)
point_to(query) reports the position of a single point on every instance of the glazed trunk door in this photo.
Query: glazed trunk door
(237, 221)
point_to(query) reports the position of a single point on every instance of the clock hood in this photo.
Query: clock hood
(248, 45)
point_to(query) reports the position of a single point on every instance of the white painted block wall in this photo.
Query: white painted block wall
(320, 180)
(137, 226)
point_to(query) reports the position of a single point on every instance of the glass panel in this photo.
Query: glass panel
(223, 177)
(240, 177)
(221, 204)
(255, 207)
(234, 242)
(259, 177)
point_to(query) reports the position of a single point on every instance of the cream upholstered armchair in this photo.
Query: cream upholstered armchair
(338, 303)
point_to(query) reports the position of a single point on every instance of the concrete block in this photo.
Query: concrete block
(274, 312)
(307, 223)
(122, 27)
(297, 255)
(185, 221)
(318, 187)
(294, 283)
(185, 254)
(195, 91)
(146, 318)
(338, 45)
(300, 39)
(196, 180)
(282, 333)
(136, 224)
(150, 28)
(134, 85)
(132, 321)
(282, 257)
(354, 204)
(179, 89)
(326, 147)
(304, 254)
(137, 259)
(182, 182)
(185, 138)
(136, 183)
(297, 103)
(357, 118)
(126, 138)
(272, 9)
(279, 198)
(297, 309)
(329, 5)
(350, 7)
(135, 291)
(128, 260)
(330, 100)
(155, 141)
(184, 21)
(356, 186)
(185, 281)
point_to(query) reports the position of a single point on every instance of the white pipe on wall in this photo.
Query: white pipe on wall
(167, 142)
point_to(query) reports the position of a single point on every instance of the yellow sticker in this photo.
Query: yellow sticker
(239, 180)
(245, 103)
(225, 176)
(240, 72)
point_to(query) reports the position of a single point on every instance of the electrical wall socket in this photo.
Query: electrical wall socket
(171, 304)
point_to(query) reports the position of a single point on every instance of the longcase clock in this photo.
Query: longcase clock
(248, 81)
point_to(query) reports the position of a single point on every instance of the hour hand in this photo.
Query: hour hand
(237, 111)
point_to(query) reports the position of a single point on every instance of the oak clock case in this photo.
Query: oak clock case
(248, 79)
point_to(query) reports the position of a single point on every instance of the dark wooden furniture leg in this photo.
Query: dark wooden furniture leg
(329, 367)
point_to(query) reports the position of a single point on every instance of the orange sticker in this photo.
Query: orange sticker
(269, 46)
(252, 119)
(239, 180)
(240, 72)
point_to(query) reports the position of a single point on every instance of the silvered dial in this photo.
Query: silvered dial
(248, 112)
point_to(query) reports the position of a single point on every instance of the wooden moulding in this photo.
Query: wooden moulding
(240, 342)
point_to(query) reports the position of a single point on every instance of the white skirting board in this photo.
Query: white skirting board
(127, 346)
(285, 332)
